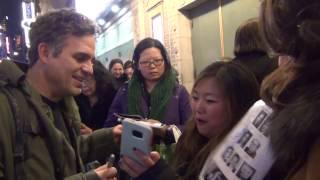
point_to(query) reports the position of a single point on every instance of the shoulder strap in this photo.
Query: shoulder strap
(19, 154)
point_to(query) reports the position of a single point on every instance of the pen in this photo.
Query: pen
(110, 161)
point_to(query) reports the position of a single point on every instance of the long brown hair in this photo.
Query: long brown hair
(292, 28)
(241, 91)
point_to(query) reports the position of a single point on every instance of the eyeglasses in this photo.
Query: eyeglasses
(156, 62)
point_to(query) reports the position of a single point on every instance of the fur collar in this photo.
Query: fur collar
(296, 127)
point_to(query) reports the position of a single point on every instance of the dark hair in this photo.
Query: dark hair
(248, 39)
(115, 61)
(145, 44)
(241, 91)
(54, 27)
(250, 50)
(104, 80)
(292, 27)
(128, 64)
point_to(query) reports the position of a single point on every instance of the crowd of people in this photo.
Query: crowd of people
(58, 115)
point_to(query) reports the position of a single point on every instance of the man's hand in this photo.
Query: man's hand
(135, 169)
(85, 129)
(117, 131)
(106, 173)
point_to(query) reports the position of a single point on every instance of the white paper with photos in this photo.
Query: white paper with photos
(245, 153)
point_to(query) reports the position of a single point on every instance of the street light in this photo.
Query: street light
(101, 21)
(115, 8)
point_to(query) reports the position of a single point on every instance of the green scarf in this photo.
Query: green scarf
(159, 96)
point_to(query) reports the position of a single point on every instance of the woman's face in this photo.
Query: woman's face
(89, 86)
(129, 72)
(209, 107)
(151, 64)
(117, 70)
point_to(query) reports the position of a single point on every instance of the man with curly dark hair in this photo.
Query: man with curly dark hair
(40, 122)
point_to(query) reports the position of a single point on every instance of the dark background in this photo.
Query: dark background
(12, 9)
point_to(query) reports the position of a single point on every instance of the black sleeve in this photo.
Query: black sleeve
(160, 171)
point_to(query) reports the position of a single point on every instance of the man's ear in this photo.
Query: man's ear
(44, 52)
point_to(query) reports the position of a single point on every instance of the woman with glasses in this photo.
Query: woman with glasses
(153, 92)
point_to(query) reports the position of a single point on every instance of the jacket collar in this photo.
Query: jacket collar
(70, 110)
(10, 73)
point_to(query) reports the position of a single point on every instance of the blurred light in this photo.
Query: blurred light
(7, 43)
(7, 18)
(33, 11)
(101, 21)
(123, 11)
(24, 13)
(0, 27)
(115, 8)
(28, 12)
(15, 53)
(91, 8)
(107, 25)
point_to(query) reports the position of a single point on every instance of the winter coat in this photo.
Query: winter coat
(161, 170)
(94, 116)
(295, 135)
(310, 169)
(258, 63)
(48, 154)
(177, 113)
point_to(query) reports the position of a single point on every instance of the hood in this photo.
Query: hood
(10, 73)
